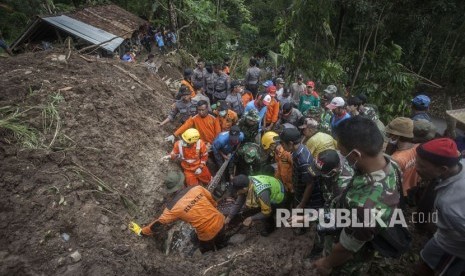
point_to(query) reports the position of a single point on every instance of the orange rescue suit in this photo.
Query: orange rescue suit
(272, 111)
(208, 127)
(193, 157)
(196, 206)
(189, 85)
(284, 170)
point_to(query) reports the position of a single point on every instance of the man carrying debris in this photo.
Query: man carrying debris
(185, 107)
(261, 191)
(226, 143)
(247, 160)
(207, 125)
(194, 205)
(192, 152)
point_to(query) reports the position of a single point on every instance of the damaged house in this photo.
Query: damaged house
(108, 26)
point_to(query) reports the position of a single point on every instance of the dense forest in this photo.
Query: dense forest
(385, 49)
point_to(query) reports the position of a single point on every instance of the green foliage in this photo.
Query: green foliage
(386, 84)
(331, 72)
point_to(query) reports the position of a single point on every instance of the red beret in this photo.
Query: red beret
(440, 152)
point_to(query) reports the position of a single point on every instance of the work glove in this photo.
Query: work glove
(134, 227)
(165, 158)
(198, 171)
(170, 138)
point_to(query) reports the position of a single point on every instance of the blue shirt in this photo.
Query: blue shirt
(261, 113)
(336, 121)
(222, 144)
(421, 115)
(159, 40)
(303, 174)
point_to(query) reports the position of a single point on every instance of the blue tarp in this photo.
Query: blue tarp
(85, 31)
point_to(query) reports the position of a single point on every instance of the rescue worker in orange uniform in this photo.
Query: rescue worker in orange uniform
(226, 116)
(193, 154)
(272, 112)
(283, 159)
(194, 205)
(207, 125)
(188, 82)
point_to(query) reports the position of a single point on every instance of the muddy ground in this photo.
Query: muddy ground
(99, 169)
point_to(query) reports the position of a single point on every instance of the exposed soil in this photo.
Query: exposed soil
(108, 137)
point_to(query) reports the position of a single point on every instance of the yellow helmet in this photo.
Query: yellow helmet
(191, 135)
(268, 139)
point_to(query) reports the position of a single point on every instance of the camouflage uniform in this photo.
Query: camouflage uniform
(185, 110)
(325, 121)
(371, 113)
(377, 190)
(248, 160)
(250, 131)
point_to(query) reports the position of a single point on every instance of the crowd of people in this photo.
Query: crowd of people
(292, 147)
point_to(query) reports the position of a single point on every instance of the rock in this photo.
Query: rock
(121, 249)
(61, 261)
(133, 87)
(27, 72)
(76, 256)
(104, 219)
(65, 237)
(61, 58)
(73, 270)
(237, 239)
(123, 227)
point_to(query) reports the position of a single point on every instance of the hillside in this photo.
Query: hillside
(94, 167)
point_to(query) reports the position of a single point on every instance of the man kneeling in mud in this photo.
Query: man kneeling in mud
(194, 205)
(262, 191)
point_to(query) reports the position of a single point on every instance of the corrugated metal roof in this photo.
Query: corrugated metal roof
(85, 31)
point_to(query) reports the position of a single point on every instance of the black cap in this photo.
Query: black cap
(184, 91)
(287, 107)
(290, 135)
(327, 161)
(235, 83)
(234, 134)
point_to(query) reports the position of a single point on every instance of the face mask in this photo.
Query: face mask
(353, 166)
(222, 113)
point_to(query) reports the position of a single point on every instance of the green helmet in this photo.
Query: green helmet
(252, 115)
(250, 152)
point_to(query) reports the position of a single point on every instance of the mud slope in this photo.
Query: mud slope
(106, 149)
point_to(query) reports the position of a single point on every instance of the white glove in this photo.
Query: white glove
(170, 138)
(198, 171)
(166, 158)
